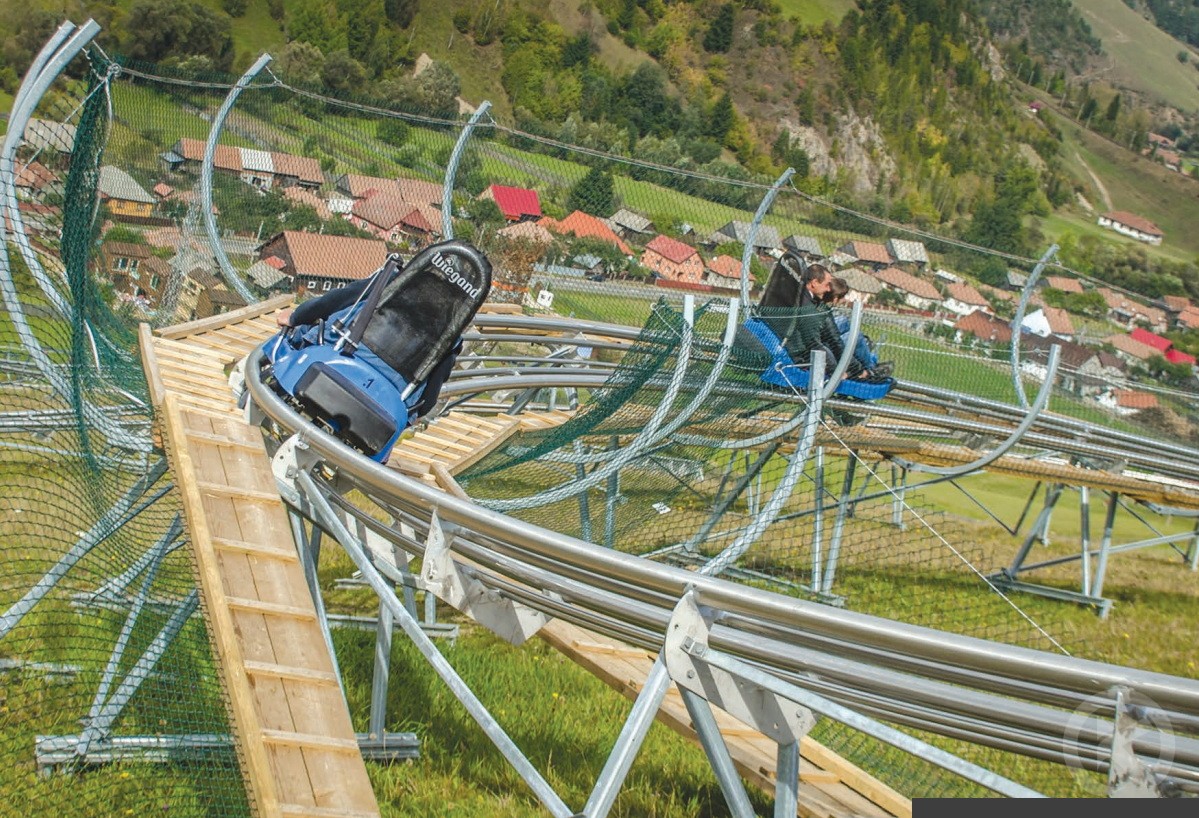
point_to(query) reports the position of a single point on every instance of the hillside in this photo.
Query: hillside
(1140, 56)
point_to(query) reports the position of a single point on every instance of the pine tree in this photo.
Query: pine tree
(1113, 109)
(593, 194)
(720, 120)
(719, 38)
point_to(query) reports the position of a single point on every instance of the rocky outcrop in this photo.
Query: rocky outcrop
(856, 151)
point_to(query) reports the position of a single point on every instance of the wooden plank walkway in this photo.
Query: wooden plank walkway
(295, 739)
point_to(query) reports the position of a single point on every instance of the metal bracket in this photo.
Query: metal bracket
(445, 579)
(684, 650)
(1127, 776)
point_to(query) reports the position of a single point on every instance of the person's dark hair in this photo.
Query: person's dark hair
(814, 272)
(837, 290)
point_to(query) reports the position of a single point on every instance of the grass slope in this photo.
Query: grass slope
(815, 12)
(1143, 57)
(1135, 184)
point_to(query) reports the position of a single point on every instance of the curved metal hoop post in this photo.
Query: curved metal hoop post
(1014, 438)
(50, 62)
(451, 171)
(1029, 286)
(763, 208)
(214, 134)
(782, 492)
(855, 331)
(644, 439)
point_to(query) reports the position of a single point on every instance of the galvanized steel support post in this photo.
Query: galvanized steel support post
(752, 235)
(451, 170)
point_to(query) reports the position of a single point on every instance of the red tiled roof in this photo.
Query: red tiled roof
(528, 231)
(516, 202)
(1135, 222)
(224, 157)
(671, 249)
(360, 186)
(307, 197)
(1177, 356)
(1176, 303)
(907, 282)
(419, 191)
(1146, 337)
(163, 190)
(1189, 317)
(274, 261)
(725, 266)
(1059, 321)
(383, 210)
(335, 257)
(868, 251)
(1064, 283)
(1131, 399)
(35, 175)
(967, 294)
(985, 326)
(303, 168)
(1128, 346)
(584, 225)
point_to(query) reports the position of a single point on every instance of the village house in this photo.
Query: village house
(870, 255)
(1064, 284)
(983, 326)
(261, 169)
(673, 260)
(917, 293)
(1188, 318)
(389, 217)
(1132, 225)
(908, 252)
(122, 194)
(766, 240)
(517, 204)
(121, 261)
(267, 274)
(1128, 311)
(1015, 281)
(583, 225)
(629, 225)
(53, 142)
(213, 296)
(862, 286)
(1164, 346)
(723, 271)
(1131, 350)
(317, 263)
(1049, 321)
(962, 298)
(527, 231)
(1127, 401)
(806, 247)
(1079, 368)
(35, 180)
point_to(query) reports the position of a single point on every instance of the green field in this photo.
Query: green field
(815, 12)
(1143, 56)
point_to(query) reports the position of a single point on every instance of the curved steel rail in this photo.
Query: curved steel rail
(995, 695)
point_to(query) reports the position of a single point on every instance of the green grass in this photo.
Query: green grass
(1144, 56)
(815, 12)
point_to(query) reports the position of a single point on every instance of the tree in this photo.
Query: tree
(1113, 109)
(301, 62)
(343, 73)
(176, 29)
(722, 118)
(393, 131)
(401, 12)
(1088, 110)
(719, 38)
(234, 8)
(593, 193)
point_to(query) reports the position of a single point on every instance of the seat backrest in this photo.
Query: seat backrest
(425, 308)
(782, 287)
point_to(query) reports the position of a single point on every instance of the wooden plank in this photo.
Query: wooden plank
(447, 482)
(201, 325)
(150, 363)
(226, 442)
(270, 608)
(228, 650)
(305, 811)
(313, 740)
(273, 552)
(836, 786)
(296, 674)
(238, 492)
